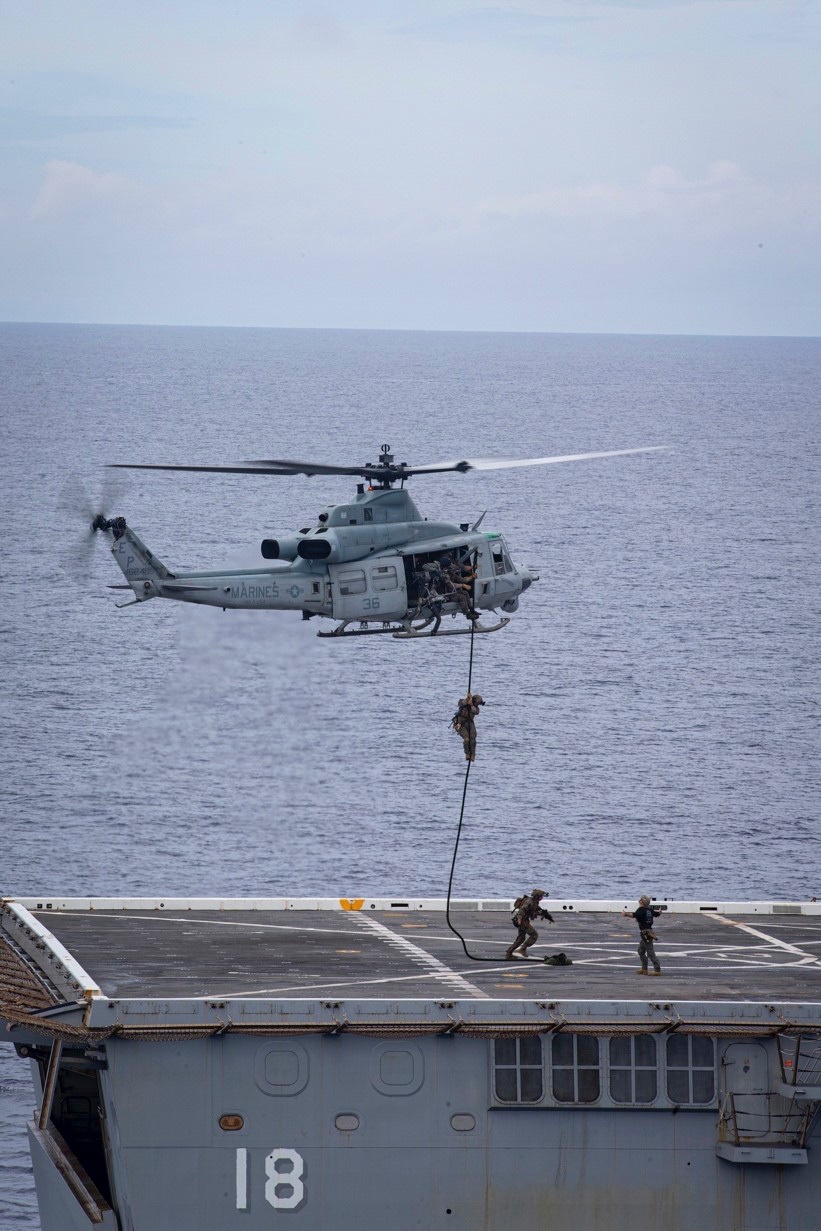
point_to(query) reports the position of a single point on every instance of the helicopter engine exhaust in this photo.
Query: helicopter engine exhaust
(309, 547)
(315, 549)
(280, 549)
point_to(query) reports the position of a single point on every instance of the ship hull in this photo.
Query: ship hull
(329, 1064)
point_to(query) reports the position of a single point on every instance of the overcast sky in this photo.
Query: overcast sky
(647, 166)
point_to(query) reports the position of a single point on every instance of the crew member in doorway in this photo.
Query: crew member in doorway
(463, 722)
(434, 578)
(432, 590)
(644, 917)
(525, 910)
(461, 578)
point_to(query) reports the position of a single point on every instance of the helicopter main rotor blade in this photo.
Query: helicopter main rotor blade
(250, 468)
(260, 466)
(310, 468)
(272, 466)
(504, 463)
(389, 472)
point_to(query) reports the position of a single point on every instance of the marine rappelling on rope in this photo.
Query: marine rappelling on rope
(463, 723)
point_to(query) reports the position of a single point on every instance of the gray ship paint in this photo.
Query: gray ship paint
(330, 1062)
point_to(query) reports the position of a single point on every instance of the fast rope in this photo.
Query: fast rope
(473, 957)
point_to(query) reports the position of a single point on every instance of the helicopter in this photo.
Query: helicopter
(374, 565)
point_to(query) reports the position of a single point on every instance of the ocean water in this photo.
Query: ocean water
(652, 709)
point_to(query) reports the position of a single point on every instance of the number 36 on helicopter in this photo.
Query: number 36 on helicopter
(374, 565)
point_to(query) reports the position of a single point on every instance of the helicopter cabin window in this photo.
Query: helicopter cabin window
(368, 514)
(353, 582)
(384, 577)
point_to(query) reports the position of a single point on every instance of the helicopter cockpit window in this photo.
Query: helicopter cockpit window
(368, 514)
(499, 556)
(384, 577)
(353, 582)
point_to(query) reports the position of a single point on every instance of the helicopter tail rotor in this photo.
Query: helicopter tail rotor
(77, 508)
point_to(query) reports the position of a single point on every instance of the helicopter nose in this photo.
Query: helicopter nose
(528, 577)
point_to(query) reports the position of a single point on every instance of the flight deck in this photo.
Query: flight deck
(361, 951)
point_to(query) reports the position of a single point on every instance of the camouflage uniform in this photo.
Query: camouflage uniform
(464, 725)
(461, 578)
(434, 586)
(528, 910)
(433, 577)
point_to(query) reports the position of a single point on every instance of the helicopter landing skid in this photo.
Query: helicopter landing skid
(398, 630)
(407, 634)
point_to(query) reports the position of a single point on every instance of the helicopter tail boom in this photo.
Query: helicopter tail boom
(141, 568)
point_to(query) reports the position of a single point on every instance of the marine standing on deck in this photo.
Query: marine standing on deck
(527, 909)
(464, 725)
(644, 917)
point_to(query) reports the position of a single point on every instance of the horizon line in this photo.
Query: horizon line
(594, 333)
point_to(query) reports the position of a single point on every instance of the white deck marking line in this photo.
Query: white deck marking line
(670, 946)
(608, 961)
(704, 969)
(773, 940)
(605, 959)
(421, 955)
(214, 923)
(294, 991)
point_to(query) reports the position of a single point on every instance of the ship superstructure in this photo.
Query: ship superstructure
(207, 1065)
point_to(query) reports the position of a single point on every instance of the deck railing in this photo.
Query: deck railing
(751, 1119)
(800, 1058)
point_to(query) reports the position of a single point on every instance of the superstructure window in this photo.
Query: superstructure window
(633, 1071)
(384, 577)
(353, 582)
(575, 1064)
(691, 1069)
(517, 1070)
